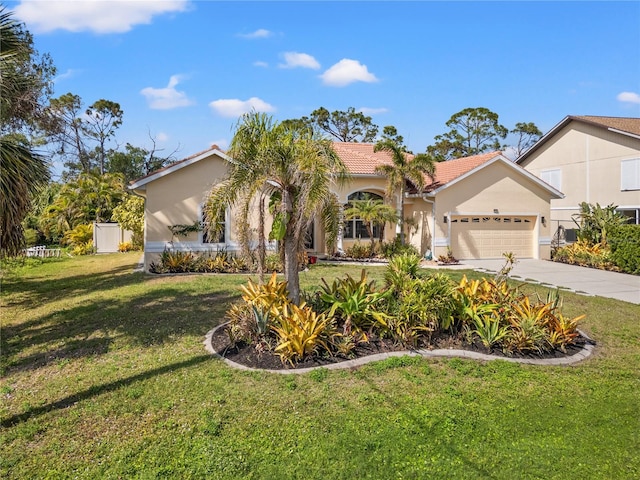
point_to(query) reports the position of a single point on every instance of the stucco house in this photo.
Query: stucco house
(479, 207)
(590, 159)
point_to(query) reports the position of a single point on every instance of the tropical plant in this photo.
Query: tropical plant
(401, 270)
(270, 157)
(174, 262)
(526, 335)
(301, 332)
(85, 248)
(371, 212)
(403, 167)
(22, 173)
(359, 251)
(130, 215)
(80, 235)
(420, 307)
(272, 295)
(489, 330)
(563, 331)
(356, 302)
(595, 222)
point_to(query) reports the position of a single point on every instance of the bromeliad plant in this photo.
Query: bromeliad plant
(357, 303)
(302, 332)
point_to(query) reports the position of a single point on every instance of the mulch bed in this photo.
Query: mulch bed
(247, 355)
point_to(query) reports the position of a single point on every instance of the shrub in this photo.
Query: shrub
(421, 307)
(625, 248)
(585, 254)
(301, 332)
(85, 248)
(359, 251)
(126, 247)
(79, 236)
(448, 259)
(401, 269)
(357, 302)
(396, 247)
(175, 262)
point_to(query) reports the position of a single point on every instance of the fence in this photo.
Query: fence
(107, 237)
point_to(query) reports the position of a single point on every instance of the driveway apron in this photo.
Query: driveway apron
(582, 280)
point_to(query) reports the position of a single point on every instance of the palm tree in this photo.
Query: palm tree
(271, 158)
(372, 212)
(22, 171)
(404, 168)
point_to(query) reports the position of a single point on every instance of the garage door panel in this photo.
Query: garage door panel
(490, 237)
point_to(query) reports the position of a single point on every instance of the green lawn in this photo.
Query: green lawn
(104, 375)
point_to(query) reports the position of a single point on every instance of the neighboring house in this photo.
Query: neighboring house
(590, 159)
(479, 207)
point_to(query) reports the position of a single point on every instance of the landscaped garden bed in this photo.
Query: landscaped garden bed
(353, 317)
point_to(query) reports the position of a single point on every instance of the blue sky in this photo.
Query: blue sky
(183, 71)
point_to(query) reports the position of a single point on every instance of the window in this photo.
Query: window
(309, 237)
(355, 228)
(630, 174)
(205, 234)
(552, 177)
(632, 213)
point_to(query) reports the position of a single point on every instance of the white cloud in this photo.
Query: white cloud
(347, 71)
(260, 64)
(260, 33)
(98, 16)
(70, 73)
(232, 107)
(166, 98)
(303, 60)
(628, 97)
(162, 137)
(372, 111)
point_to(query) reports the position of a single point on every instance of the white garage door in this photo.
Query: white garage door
(490, 237)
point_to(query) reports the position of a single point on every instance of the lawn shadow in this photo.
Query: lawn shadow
(99, 390)
(163, 314)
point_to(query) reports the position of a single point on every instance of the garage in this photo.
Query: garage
(490, 236)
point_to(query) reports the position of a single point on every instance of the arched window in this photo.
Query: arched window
(355, 228)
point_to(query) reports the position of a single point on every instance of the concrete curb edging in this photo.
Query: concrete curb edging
(578, 357)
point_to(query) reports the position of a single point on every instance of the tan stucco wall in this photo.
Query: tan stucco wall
(589, 159)
(497, 186)
(176, 199)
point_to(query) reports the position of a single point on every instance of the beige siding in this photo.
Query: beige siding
(589, 160)
(494, 187)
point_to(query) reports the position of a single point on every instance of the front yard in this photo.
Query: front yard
(104, 375)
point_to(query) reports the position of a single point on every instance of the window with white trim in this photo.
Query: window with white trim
(355, 228)
(630, 174)
(552, 177)
(205, 234)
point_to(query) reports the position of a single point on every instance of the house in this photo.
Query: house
(590, 159)
(479, 207)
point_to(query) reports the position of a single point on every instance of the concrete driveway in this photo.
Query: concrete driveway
(582, 280)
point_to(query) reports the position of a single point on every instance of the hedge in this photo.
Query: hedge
(625, 248)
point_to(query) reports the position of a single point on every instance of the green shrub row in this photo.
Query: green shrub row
(625, 248)
(219, 261)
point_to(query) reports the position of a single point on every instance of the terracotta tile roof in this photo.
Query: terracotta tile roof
(360, 159)
(624, 124)
(448, 171)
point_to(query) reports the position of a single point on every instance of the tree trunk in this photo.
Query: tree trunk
(261, 240)
(291, 273)
(402, 215)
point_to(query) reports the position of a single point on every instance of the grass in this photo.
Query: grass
(104, 375)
